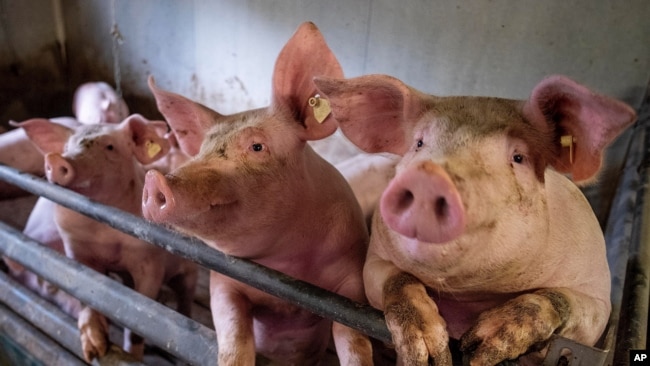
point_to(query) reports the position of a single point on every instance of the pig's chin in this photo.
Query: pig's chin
(441, 258)
(439, 238)
(201, 221)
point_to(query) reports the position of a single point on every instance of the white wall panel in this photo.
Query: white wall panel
(222, 52)
(238, 43)
(504, 47)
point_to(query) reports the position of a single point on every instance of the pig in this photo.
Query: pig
(93, 102)
(255, 189)
(368, 175)
(97, 102)
(173, 159)
(481, 236)
(103, 162)
(41, 227)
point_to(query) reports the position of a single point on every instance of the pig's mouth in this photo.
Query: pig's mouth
(221, 204)
(82, 187)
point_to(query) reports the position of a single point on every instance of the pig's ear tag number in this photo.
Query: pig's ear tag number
(321, 107)
(568, 141)
(152, 148)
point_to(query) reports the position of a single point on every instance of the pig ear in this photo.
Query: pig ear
(305, 56)
(149, 143)
(189, 120)
(49, 137)
(565, 108)
(376, 112)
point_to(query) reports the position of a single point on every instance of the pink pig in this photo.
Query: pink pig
(255, 189)
(479, 236)
(103, 162)
(93, 102)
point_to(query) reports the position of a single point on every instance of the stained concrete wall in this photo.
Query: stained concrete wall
(221, 52)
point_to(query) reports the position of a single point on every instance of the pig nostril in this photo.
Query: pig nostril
(161, 200)
(63, 170)
(405, 200)
(441, 207)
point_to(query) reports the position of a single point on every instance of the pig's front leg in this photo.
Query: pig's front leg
(419, 332)
(525, 324)
(147, 280)
(93, 330)
(233, 323)
(352, 346)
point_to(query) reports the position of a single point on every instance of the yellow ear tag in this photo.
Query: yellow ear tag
(321, 107)
(568, 141)
(152, 148)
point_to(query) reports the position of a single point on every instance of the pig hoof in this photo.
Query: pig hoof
(93, 345)
(418, 330)
(419, 340)
(519, 326)
(93, 330)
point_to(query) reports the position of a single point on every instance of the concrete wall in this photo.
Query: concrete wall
(221, 52)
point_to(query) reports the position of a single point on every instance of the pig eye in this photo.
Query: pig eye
(257, 147)
(420, 143)
(518, 158)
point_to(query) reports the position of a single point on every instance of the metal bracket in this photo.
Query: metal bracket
(564, 351)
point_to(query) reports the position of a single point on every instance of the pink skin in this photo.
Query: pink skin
(255, 189)
(173, 159)
(480, 236)
(94, 102)
(368, 175)
(98, 102)
(41, 227)
(103, 162)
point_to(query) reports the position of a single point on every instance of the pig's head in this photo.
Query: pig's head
(97, 102)
(473, 169)
(249, 168)
(80, 158)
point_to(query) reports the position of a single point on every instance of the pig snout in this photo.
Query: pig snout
(157, 198)
(423, 203)
(58, 170)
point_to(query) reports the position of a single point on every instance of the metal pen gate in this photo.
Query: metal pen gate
(28, 319)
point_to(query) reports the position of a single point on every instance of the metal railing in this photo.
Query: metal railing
(628, 253)
(84, 283)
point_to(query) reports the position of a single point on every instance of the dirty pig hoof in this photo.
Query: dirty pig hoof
(93, 331)
(93, 344)
(504, 333)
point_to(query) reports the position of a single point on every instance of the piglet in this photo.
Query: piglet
(103, 162)
(255, 189)
(480, 236)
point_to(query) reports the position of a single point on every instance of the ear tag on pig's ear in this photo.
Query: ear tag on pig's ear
(321, 107)
(153, 148)
(568, 141)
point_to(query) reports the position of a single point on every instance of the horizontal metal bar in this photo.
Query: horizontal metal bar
(31, 340)
(61, 327)
(42, 314)
(167, 329)
(318, 300)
